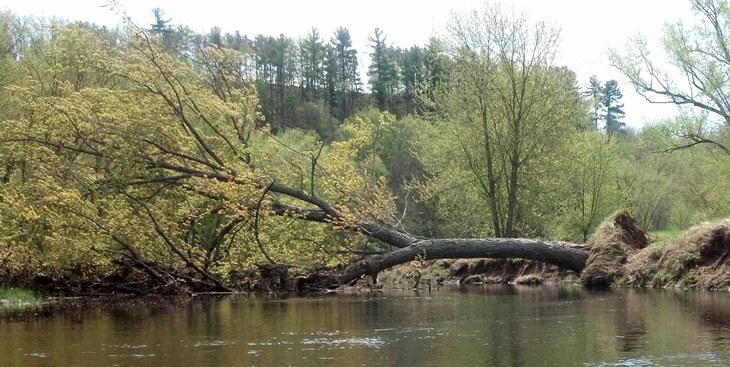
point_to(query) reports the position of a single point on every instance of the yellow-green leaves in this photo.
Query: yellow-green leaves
(124, 148)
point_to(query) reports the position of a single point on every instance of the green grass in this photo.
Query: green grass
(17, 299)
(661, 238)
(17, 294)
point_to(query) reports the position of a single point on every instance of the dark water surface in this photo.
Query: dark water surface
(472, 326)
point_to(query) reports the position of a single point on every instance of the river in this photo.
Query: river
(459, 326)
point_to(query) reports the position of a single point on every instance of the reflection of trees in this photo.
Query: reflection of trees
(713, 312)
(479, 325)
(631, 321)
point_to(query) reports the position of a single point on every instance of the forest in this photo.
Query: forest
(151, 157)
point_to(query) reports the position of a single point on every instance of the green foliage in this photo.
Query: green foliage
(614, 109)
(16, 299)
(698, 54)
(383, 71)
(502, 120)
(13, 294)
(672, 186)
(160, 157)
(586, 193)
(661, 238)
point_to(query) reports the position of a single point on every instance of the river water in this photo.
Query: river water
(460, 326)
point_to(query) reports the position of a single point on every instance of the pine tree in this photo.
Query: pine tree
(383, 70)
(595, 99)
(412, 70)
(311, 61)
(614, 110)
(346, 74)
(160, 26)
(436, 64)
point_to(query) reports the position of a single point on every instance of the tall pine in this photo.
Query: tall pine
(594, 97)
(614, 109)
(344, 73)
(311, 61)
(383, 70)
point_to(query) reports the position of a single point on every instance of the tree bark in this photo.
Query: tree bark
(565, 255)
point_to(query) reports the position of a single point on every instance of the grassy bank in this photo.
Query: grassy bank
(13, 299)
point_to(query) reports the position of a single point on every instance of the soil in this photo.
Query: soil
(477, 271)
(697, 260)
(616, 241)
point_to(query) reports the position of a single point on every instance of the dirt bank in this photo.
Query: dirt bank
(621, 255)
(475, 271)
(699, 259)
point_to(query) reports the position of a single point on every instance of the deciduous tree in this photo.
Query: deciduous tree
(503, 116)
(696, 76)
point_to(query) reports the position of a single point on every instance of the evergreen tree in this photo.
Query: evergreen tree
(215, 37)
(614, 109)
(383, 70)
(412, 68)
(347, 78)
(435, 73)
(160, 26)
(311, 58)
(604, 105)
(283, 64)
(595, 98)
(331, 75)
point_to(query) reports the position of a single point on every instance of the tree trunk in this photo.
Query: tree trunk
(565, 255)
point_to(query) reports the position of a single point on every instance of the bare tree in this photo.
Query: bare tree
(700, 54)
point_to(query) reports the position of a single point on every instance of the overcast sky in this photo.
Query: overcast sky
(589, 27)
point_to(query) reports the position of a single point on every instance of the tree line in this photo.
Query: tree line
(317, 77)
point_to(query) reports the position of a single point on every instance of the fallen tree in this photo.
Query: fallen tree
(565, 255)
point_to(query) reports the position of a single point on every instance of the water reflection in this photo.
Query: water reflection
(473, 325)
(712, 310)
(631, 321)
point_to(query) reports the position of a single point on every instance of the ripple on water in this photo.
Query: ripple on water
(676, 360)
(130, 347)
(213, 343)
(320, 340)
(371, 342)
(135, 356)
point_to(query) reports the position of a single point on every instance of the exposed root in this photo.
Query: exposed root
(615, 243)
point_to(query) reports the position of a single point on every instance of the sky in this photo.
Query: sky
(589, 28)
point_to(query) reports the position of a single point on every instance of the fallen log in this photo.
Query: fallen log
(565, 255)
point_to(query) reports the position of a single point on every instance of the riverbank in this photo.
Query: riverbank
(619, 255)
